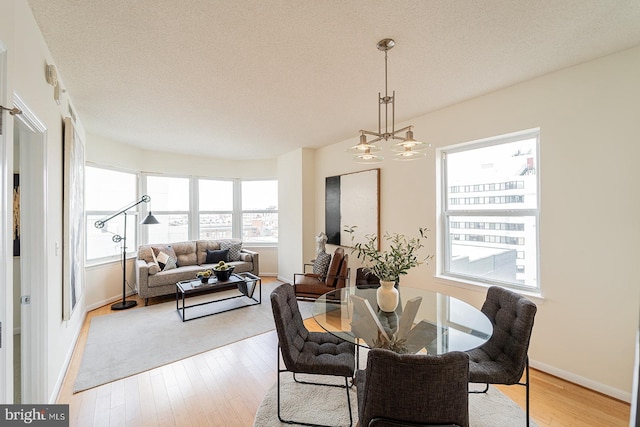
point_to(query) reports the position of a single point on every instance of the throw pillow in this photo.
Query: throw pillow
(321, 264)
(234, 249)
(166, 257)
(154, 267)
(214, 257)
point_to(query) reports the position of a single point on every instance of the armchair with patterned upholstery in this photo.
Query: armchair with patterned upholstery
(313, 285)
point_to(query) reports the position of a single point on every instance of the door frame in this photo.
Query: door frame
(6, 246)
(32, 137)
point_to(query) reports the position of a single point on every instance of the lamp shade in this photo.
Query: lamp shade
(409, 154)
(411, 144)
(150, 219)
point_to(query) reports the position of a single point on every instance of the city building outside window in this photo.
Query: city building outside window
(170, 204)
(490, 211)
(260, 211)
(215, 198)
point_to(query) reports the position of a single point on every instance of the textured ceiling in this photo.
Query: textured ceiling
(258, 78)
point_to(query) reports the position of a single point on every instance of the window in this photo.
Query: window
(260, 211)
(492, 186)
(216, 209)
(170, 205)
(188, 208)
(107, 191)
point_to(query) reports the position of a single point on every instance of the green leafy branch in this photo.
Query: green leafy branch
(398, 260)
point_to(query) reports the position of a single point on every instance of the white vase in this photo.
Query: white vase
(387, 296)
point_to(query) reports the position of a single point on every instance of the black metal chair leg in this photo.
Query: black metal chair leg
(346, 386)
(527, 387)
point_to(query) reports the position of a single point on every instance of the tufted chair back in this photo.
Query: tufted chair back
(292, 333)
(424, 389)
(512, 317)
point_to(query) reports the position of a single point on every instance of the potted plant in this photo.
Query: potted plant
(388, 265)
(204, 275)
(223, 271)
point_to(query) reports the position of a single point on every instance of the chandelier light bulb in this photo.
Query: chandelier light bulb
(363, 147)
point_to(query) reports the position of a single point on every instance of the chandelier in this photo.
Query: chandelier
(407, 148)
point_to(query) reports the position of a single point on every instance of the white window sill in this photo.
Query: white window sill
(535, 295)
(107, 260)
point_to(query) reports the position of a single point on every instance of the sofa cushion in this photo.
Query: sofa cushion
(185, 252)
(165, 256)
(201, 249)
(171, 277)
(154, 267)
(234, 249)
(246, 257)
(165, 260)
(214, 257)
(239, 266)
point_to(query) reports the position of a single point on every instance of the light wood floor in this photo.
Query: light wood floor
(224, 387)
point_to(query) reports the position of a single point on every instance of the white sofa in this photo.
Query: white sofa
(152, 281)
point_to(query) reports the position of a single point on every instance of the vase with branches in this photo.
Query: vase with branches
(388, 265)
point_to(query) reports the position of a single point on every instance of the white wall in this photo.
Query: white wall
(27, 57)
(296, 211)
(589, 121)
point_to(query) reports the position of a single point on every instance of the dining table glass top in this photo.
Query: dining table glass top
(424, 321)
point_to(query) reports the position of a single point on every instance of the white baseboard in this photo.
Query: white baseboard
(107, 301)
(582, 381)
(67, 361)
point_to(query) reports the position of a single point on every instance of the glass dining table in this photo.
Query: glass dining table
(424, 321)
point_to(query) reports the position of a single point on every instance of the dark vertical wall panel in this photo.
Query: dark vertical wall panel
(332, 209)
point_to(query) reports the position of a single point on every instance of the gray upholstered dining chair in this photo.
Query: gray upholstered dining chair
(306, 352)
(503, 359)
(413, 389)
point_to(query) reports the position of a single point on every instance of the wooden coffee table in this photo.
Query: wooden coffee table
(246, 284)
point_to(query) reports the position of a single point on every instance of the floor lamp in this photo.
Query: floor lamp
(150, 219)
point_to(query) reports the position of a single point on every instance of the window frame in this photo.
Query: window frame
(158, 212)
(198, 212)
(193, 214)
(134, 217)
(194, 206)
(243, 211)
(444, 248)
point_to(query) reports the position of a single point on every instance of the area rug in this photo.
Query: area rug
(129, 342)
(328, 405)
